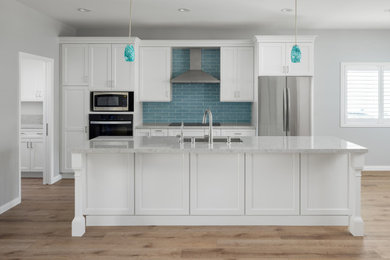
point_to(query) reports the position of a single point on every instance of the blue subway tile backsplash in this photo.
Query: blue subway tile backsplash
(189, 101)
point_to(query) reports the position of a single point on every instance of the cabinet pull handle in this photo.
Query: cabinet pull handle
(31, 146)
(27, 145)
(86, 129)
(47, 129)
(288, 69)
(284, 69)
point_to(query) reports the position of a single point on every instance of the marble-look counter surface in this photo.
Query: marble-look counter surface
(263, 144)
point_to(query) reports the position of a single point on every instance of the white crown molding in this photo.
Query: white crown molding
(118, 40)
(196, 43)
(285, 38)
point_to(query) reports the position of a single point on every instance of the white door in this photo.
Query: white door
(305, 67)
(25, 155)
(100, 67)
(162, 184)
(37, 155)
(155, 74)
(272, 59)
(75, 64)
(217, 184)
(122, 71)
(272, 184)
(245, 77)
(74, 122)
(324, 178)
(228, 74)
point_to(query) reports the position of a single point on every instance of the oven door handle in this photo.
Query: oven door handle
(110, 122)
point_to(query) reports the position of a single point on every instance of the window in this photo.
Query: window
(365, 95)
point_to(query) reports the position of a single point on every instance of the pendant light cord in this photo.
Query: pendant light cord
(296, 18)
(131, 9)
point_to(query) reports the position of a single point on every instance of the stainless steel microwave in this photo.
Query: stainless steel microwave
(103, 101)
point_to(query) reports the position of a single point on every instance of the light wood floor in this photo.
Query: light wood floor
(39, 228)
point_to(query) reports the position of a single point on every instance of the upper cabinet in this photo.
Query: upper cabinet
(274, 56)
(99, 66)
(75, 65)
(155, 74)
(237, 79)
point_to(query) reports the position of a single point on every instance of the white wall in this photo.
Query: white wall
(21, 29)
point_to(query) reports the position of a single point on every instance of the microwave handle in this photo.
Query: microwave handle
(111, 122)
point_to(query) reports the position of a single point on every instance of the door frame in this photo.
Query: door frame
(48, 118)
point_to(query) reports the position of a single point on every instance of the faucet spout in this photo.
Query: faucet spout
(210, 115)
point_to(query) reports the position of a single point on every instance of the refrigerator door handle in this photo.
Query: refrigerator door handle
(288, 103)
(285, 110)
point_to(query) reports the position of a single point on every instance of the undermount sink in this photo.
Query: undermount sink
(215, 140)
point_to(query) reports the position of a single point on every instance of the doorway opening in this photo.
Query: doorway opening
(36, 118)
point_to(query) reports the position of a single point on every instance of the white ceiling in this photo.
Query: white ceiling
(313, 14)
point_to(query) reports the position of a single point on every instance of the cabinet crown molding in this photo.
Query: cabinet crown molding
(284, 38)
(114, 40)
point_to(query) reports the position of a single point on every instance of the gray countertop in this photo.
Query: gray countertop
(262, 144)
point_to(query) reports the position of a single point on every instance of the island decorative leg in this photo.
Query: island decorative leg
(78, 223)
(356, 224)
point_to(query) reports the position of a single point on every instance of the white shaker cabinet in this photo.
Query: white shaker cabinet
(74, 122)
(237, 74)
(155, 74)
(274, 56)
(75, 69)
(100, 68)
(32, 155)
(123, 72)
(272, 184)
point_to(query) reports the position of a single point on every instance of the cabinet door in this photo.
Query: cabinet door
(272, 184)
(75, 64)
(238, 132)
(155, 74)
(24, 155)
(324, 184)
(272, 59)
(245, 77)
(305, 67)
(162, 184)
(228, 73)
(37, 155)
(110, 186)
(74, 122)
(159, 132)
(217, 184)
(122, 71)
(142, 132)
(100, 67)
(32, 80)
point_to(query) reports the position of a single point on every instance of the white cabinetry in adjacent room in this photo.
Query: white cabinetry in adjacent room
(324, 178)
(272, 184)
(237, 69)
(162, 184)
(32, 154)
(75, 70)
(217, 184)
(155, 74)
(74, 122)
(274, 56)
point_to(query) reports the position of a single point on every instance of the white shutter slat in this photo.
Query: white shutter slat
(386, 93)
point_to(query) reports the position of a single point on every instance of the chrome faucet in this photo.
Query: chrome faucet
(208, 112)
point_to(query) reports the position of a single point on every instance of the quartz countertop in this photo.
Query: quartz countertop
(166, 125)
(263, 144)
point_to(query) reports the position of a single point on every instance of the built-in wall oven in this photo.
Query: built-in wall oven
(110, 125)
(104, 101)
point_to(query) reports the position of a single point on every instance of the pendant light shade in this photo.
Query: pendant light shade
(129, 50)
(296, 51)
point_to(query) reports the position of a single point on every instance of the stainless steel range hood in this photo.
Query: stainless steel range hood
(195, 74)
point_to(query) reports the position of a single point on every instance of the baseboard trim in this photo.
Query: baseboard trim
(9, 205)
(56, 179)
(67, 175)
(376, 168)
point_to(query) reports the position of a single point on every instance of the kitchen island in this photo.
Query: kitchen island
(295, 181)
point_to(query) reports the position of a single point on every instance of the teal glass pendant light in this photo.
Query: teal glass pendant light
(129, 50)
(296, 53)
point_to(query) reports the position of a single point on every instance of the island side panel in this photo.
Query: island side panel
(79, 166)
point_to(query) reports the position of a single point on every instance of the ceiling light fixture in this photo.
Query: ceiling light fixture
(183, 10)
(286, 10)
(83, 10)
(296, 51)
(129, 50)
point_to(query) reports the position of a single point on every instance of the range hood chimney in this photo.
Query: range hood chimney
(195, 74)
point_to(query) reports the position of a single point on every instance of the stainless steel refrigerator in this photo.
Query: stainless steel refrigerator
(284, 106)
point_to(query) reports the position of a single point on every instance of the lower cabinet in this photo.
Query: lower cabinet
(217, 184)
(162, 184)
(272, 184)
(324, 184)
(32, 155)
(110, 186)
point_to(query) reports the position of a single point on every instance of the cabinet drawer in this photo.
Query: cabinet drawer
(159, 132)
(238, 132)
(142, 132)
